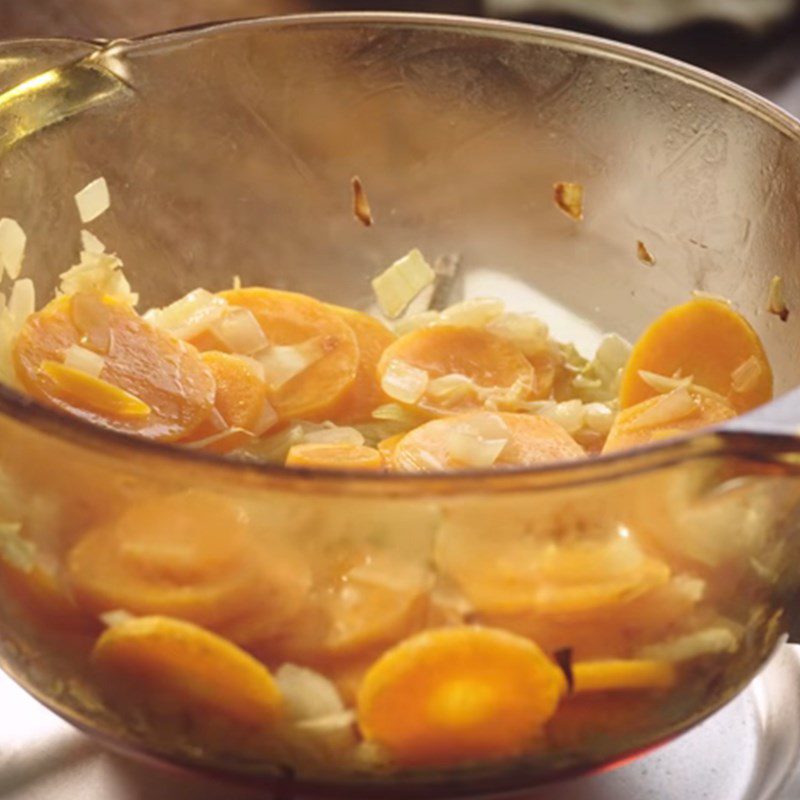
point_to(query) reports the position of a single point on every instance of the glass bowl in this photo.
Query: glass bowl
(229, 150)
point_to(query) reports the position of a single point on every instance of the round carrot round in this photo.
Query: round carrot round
(632, 429)
(365, 395)
(458, 694)
(290, 319)
(489, 361)
(708, 340)
(334, 456)
(177, 664)
(531, 440)
(192, 555)
(151, 384)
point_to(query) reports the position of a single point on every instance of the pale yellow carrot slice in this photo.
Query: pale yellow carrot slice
(334, 456)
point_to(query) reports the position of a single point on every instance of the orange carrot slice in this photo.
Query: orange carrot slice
(694, 410)
(290, 319)
(334, 456)
(192, 555)
(183, 667)
(365, 395)
(708, 340)
(489, 361)
(458, 694)
(151, 384)
(530, 440)
(616, 675)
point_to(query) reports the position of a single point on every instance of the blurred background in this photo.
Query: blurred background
(753, 42)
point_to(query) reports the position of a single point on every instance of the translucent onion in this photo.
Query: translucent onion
(404, 382)
(93, 200)
(12, 247)
(83, 360)
(190, 316)
(669, 408)
(283, 362)
(240, 332)
(402, 282)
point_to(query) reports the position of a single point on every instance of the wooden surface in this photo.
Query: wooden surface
(767, 63)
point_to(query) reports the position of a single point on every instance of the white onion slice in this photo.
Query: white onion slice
(307, 695)
(267, 419)
(240, 332)
(83, 360)
(526, 331)
(283, 362)
(90, 243)
(402, 282)
(334, 434)
(12, 247)
(474, 313)
(669, 408)
(404, 382)
(93, 200)
(22, 302)
(745, 376)
(190, 316)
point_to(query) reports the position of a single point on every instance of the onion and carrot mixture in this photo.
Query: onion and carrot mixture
(386, 661)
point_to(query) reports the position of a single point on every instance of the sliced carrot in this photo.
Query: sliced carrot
(151, 384)
(617, 675)
(489, 361)
(365, 395)
(334, 456)
(192, 555)
(290, 319)
(180, 666)
(458, 694)
(708, 340)
(628, 429)
(240, 401)
(531, 440)
(378, 602)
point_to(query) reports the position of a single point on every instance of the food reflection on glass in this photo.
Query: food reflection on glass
(205, 628)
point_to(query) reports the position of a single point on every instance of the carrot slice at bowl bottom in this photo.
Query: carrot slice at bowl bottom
(458, 694)
(188, 668)
(622, 675)
(334, 456)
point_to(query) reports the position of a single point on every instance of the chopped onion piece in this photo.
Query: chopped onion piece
(117, 617)
(569, 198)
(662, 384)
(479, 442)
(524, 330)
(402, 282)
(404, 382)
(15, 550)
(307, 695)
(21, 303)
(93, 200)
(83, 360)
(334, 434)
(12, 247)
(90, 243)
(283, 362)
(239, 331)
(744, 377)
(452, 388)
(569, 415)
(98, 272)
(471, 450)
(613, 352)
(777, 304)
(474, 313)
(228, 433)
(598, 417)
(216, 420)
(415, 322)
(190, 316)
(267, 419)
(708, 641)
(669, 408)
(328, 724)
